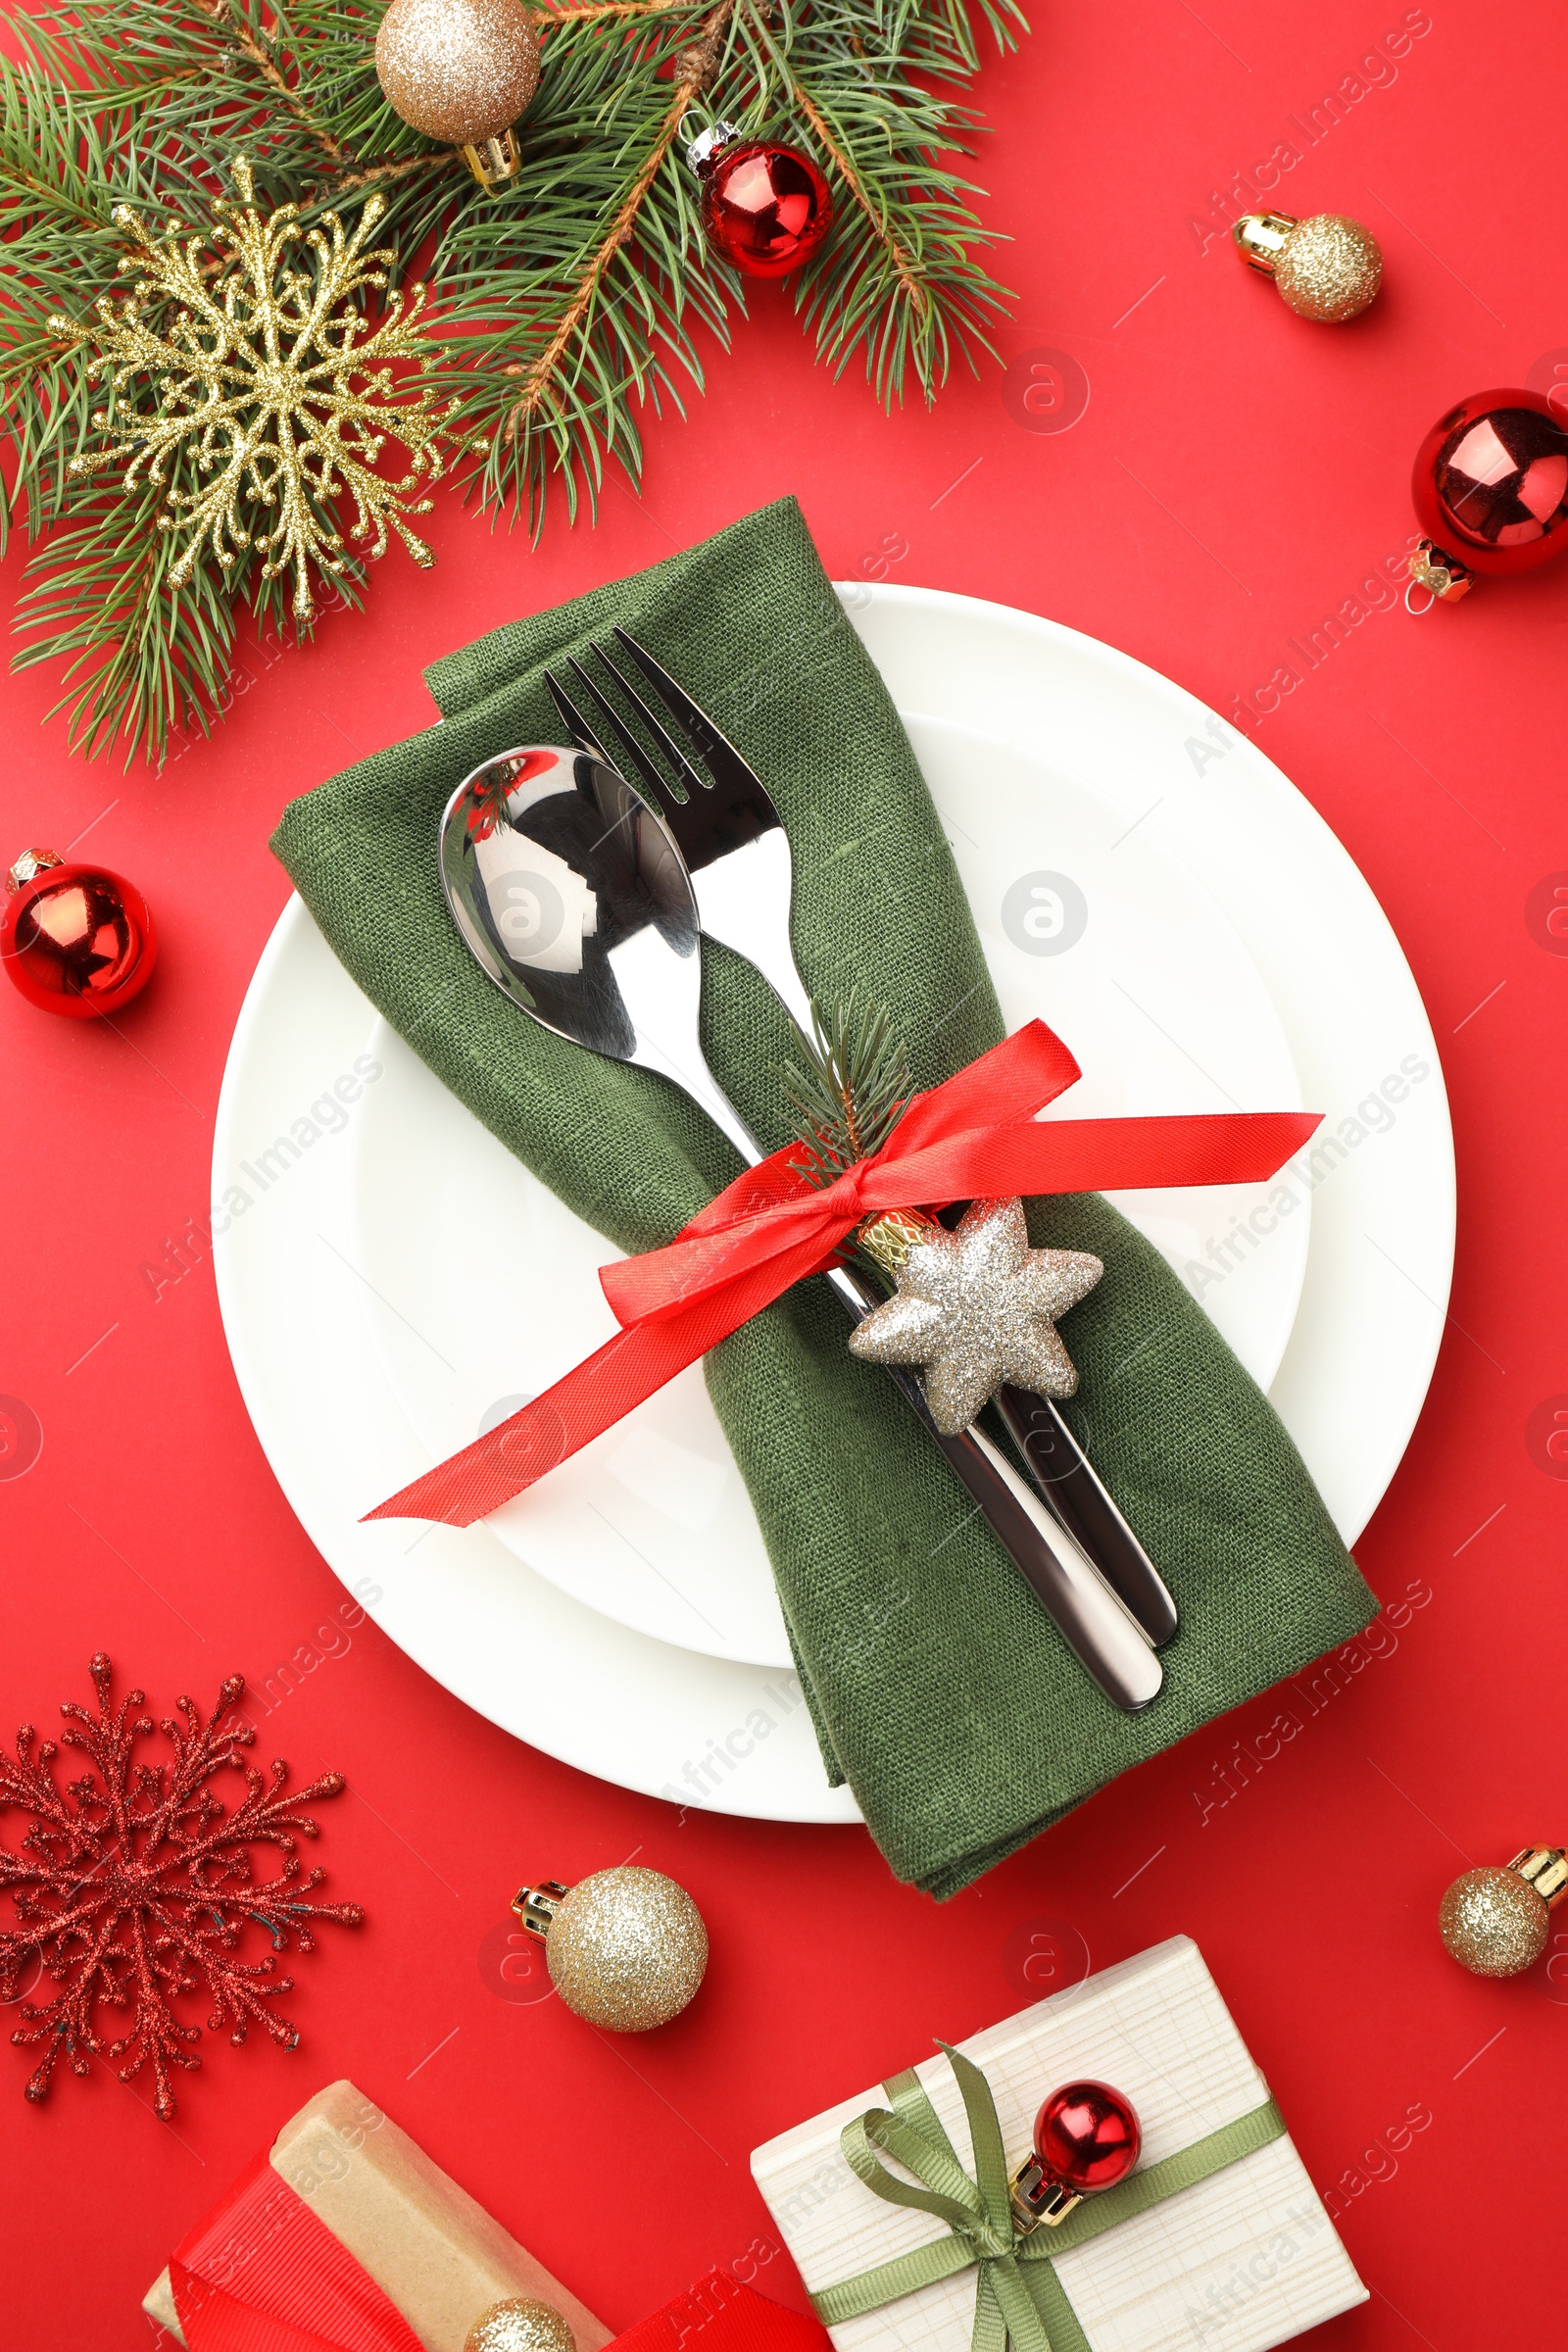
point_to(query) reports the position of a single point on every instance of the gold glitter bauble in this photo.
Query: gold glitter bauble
(626, 1949)
(521, 2325)
(1330, 268)
(1493, 1922)
(458, 70)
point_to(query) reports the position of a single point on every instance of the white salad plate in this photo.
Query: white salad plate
(1143, 878)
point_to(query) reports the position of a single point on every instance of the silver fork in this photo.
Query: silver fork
(738, 854)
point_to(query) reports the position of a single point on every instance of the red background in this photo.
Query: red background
(1236, 474)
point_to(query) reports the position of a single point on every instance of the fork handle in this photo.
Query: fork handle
(1079, 1499)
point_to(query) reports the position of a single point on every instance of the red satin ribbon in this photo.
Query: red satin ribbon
(974, 1136)
(720, 2315)
(264, 2273)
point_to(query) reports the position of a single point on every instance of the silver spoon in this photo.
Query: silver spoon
(572, 895)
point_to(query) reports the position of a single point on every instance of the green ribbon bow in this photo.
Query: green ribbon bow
(1018, 2296)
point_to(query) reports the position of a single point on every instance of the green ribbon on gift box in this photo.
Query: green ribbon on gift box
(1018, 2294)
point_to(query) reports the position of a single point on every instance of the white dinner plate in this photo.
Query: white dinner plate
(1105, 934)
(305, 1071)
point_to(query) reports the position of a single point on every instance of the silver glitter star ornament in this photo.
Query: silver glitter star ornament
(975, 1309)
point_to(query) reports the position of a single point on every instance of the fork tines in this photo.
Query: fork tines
(679, 778)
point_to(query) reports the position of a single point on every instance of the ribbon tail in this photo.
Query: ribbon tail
(594, 1394)
(1089, 1155)
(698, 1266)
(1018, 2309)
(985, 2134)
(1058, 2316)
(590, 1397)
(212, 2321)
(990, 2331)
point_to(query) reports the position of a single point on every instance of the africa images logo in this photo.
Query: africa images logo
(21, 1438)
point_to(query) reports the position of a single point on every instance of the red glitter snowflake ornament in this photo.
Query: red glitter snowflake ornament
(133, 1886)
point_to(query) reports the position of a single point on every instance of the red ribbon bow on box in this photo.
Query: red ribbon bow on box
(975, 1137)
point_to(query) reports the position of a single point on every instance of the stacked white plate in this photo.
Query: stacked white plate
(393, 1281)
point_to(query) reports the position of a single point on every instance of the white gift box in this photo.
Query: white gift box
(1240, 2262)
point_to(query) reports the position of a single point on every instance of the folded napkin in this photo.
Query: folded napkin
(938, 1687)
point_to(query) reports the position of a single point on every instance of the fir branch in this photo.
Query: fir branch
(144, 662)
(435, 161)
(850, 1089)
(561, 344)
(594, 11)
(140, 661)
(569, 299)
(901, 279)
(538, 386)
(901, 261)
(251, 45)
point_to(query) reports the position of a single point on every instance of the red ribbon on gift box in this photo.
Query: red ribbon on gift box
(974, 1136)
(720, 2315)
(264, 2273)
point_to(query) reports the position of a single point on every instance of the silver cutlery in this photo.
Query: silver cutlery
(738, 854)
(574, 899)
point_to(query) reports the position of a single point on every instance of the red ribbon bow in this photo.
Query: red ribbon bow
(975, 1137)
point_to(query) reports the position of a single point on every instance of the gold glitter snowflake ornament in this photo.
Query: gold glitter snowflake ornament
(271, 382)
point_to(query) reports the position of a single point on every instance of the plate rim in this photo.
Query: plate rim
(834, 1805)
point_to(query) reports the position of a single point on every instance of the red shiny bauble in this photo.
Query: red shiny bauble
(766, 208)
(75, 939)
(1088, 2137)
(1491, 482)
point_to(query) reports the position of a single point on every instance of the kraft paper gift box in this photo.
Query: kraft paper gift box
(1242, 2260)
(438, 2256)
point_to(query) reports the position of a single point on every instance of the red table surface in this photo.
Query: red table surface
(1236, 475)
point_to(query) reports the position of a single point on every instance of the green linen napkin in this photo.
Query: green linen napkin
(938, 1687)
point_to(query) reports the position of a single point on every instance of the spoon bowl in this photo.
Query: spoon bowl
(575, 899)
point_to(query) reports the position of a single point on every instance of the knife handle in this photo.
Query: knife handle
(1103, 1634)
(1084, 1506)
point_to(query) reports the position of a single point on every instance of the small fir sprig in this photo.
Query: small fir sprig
(849, 1085)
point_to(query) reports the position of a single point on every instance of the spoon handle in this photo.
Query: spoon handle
(1103, 1634)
